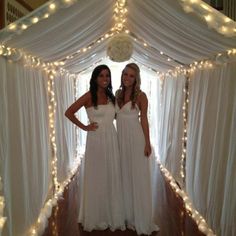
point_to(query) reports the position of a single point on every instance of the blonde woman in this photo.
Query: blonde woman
(135, 151)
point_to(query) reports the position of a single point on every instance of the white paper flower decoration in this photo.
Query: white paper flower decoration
(120, 48)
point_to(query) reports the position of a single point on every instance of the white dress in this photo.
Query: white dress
(101, 203)
(136, 171)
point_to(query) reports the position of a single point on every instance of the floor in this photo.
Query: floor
(171, 216)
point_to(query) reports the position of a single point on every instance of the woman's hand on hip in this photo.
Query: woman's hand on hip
(92, 126)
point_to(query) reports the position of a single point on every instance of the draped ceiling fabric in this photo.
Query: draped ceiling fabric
(163, 24)
(166, 28)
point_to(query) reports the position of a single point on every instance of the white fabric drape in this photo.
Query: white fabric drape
(25, 152)
(65, 32)
(211, 147)
(171, 124)
(167, 28)
(65, 130)
(164, 27)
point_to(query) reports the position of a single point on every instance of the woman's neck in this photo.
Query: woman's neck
(128, 91)
(101, 91)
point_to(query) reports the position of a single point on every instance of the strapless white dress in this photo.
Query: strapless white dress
(101, 200)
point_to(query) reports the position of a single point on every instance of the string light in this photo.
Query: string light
(161, 82)
(79, 52)
(120, 12)
(221, 23)
(42, 13)
(35, 20)
(184, 135)
(148, 45)
(2, 205)
(52, 113)
(194, 214)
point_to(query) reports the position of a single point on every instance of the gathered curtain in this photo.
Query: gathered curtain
(25, 150)
(25, 147)
(171, 124)
(211, 146)
(65, 130)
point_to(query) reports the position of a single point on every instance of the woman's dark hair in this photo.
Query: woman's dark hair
(93, 85)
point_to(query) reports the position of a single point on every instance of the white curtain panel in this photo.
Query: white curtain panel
(211, 146)
(171, 124)
(25, 153)
(150, 85)
(82, 86)
(65, 130)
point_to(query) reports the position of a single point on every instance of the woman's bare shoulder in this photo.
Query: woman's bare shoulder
(141, 96)
(87, 99)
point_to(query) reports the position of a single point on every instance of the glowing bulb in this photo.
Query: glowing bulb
(205, 6)
(208, 18)
(24, 26)
(224, 28)
(46, 15)
(35, 20)
(227, 19)
(12, 26)
(52, 6)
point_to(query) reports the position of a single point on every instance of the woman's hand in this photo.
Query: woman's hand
(92, 126)
(147, 150)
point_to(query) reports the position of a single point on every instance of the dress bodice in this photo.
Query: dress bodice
(104, 114)
(127, 110)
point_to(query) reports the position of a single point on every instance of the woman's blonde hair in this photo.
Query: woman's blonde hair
(136, 87)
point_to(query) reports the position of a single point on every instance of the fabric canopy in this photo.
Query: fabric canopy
(163, 24)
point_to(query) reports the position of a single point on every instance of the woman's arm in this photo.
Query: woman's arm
(143, 105)
(70, 112)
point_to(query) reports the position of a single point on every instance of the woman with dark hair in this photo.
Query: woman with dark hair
(135, 151)
(101, 199)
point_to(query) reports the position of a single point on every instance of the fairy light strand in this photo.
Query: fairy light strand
(35, 17)
(194, 214)
(119, 15)
(2, 206)
(52, 114)
(46, 211)
(213, 18)
(145, 44)
(185, 122)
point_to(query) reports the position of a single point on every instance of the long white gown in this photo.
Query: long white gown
(136, 171)
(101, 204)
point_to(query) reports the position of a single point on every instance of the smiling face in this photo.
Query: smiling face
(103, 79)
(128, 77)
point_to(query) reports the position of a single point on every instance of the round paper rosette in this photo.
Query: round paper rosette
(120, 48)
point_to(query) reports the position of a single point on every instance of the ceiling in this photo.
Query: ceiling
(164, 35)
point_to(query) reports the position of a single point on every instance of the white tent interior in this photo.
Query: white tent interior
(46, 52)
